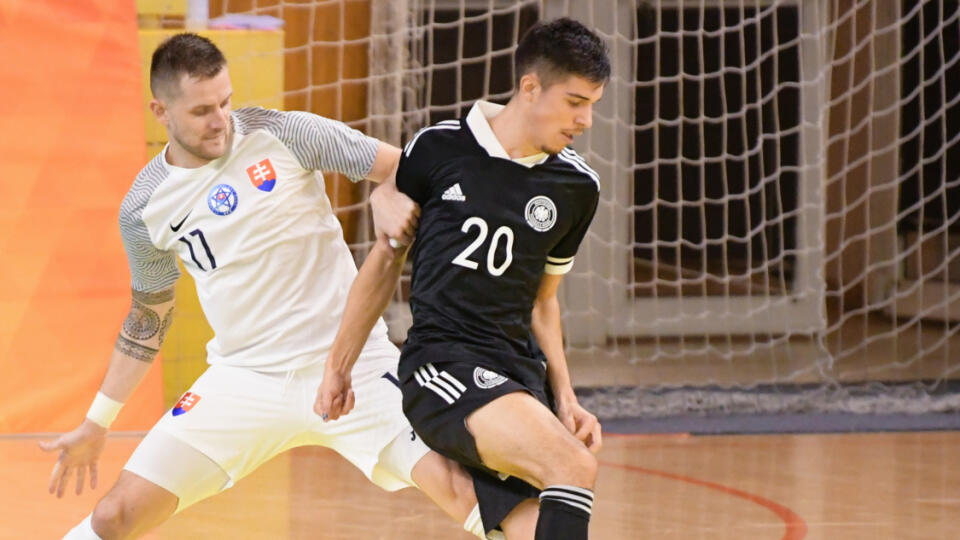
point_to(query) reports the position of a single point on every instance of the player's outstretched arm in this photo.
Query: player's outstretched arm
(137, 345)
(369, 295)
(548, 330)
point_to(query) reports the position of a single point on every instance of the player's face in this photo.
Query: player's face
(562, 111)
(198, 117)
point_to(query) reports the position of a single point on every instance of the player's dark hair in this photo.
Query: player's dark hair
(184, 53)
(559, 48)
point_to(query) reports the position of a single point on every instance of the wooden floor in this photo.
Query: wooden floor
(901, 486)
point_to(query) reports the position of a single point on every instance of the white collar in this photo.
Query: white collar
(479, 124)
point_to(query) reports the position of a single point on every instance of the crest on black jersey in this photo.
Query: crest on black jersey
(484, 378)
(541, 213)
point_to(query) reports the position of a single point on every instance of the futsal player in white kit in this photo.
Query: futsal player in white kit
(237, 195)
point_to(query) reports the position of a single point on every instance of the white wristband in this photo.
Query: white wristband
(104, 410)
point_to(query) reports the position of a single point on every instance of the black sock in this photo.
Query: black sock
(564, 513)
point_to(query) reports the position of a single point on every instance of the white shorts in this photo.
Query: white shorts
(240, 418)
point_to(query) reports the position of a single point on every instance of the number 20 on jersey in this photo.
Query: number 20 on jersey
(502, 234)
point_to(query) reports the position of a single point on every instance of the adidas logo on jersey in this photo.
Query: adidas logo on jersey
(453, 193)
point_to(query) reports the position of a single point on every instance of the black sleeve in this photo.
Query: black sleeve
(560, 258)
(416, 164)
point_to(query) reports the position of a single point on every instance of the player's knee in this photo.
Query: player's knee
(110, 519)
(573, 465)
(447, 483)
(587, 467)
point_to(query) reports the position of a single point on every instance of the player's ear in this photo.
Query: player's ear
(159, 110)
(530, 86)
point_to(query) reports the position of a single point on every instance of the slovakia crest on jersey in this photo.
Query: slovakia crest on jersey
(222, 199)
(186, 403)
(263, 176)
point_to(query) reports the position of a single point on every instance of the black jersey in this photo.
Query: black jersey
(489, 229)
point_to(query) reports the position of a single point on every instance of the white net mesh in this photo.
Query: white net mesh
(781, 189)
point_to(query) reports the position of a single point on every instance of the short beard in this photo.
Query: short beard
(197, 152)
(551, 151)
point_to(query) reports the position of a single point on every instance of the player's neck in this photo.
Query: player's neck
(510, 128)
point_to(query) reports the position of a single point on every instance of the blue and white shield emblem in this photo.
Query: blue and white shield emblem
(222, 199)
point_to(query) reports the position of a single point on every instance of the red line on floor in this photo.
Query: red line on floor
(796, 528)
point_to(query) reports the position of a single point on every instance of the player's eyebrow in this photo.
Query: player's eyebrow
(578, 96)
(203, 106)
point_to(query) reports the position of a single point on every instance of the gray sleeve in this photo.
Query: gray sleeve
(151, 269)
(318, 143)
(328, 145)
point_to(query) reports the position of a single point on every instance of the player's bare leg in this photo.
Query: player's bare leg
(518, 435)
(135, 504)
(449, 486)
(522, 521)
(131, 508)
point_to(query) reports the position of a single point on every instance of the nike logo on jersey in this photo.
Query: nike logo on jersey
(454, 193)
(176, 227)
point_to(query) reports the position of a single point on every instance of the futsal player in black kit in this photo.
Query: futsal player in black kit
(504, 204)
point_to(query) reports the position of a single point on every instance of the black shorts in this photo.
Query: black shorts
(437, 398)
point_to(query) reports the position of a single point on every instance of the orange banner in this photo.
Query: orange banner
(71, 142)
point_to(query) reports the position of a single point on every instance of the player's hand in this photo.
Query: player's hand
(582, 423)
(335, 396)
(394, 214)
(79, 451)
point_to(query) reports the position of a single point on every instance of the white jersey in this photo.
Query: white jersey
(257, 232)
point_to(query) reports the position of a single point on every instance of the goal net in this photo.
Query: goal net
(778, 226)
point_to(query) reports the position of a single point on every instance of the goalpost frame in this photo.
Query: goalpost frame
(602, 307)
(598, 303)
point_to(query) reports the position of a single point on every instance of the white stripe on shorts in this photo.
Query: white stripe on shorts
(440, 382)
(449, 378)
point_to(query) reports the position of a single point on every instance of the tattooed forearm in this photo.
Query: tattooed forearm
(142, 323)
(165, 325)
(152, 298)
(143, 331)
(135, 350)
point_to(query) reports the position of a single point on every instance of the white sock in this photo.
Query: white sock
(83, 531)
(473, 525)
